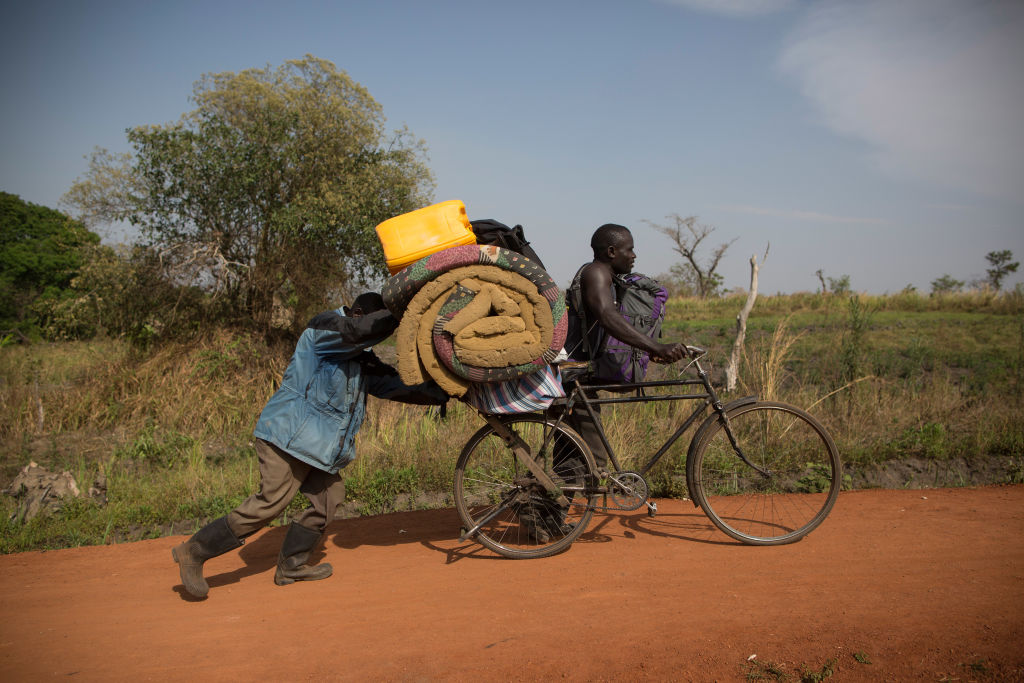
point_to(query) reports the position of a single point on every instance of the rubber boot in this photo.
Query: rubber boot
(216, 538)
(291, 562)
(545, 522)
(545, 525)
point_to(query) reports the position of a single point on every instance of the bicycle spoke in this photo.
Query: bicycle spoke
(796, 452)
(506, 505)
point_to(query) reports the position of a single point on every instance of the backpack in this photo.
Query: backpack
(641, 301)
(490, 231)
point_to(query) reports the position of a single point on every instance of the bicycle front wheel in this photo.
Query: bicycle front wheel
(503, 504)
(789, 490)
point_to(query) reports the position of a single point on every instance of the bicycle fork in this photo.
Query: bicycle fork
(735, 444)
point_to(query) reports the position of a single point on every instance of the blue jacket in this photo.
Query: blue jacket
(317, 411)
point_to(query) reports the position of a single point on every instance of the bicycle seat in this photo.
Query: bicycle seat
(572, 370)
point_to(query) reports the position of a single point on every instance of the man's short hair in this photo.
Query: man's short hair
(608, 235)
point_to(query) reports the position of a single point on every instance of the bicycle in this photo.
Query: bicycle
(764, 472)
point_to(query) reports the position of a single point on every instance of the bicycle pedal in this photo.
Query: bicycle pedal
(652, 509)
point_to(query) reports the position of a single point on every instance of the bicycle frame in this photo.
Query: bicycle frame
(709, 397)
(526, 506)
(579, 394)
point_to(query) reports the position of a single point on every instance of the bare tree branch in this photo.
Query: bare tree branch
(686, 236)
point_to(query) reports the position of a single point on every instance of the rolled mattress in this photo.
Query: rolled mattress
(475, 313)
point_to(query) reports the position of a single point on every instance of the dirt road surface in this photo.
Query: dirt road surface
(896, 585)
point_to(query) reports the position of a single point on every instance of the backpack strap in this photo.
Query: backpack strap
(575, 297)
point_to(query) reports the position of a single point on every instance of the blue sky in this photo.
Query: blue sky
(880, 139)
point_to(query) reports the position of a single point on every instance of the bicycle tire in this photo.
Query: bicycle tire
(516, 516)
(804, 482)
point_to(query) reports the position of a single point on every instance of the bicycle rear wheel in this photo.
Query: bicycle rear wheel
(797, 485)
(512, 513)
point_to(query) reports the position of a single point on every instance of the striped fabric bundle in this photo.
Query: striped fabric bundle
(527, 394)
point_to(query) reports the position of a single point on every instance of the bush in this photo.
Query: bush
(131, 293)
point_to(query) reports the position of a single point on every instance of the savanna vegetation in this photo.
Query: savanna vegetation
(918, 391)
(141, 369)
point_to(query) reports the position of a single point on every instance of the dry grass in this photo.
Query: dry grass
(764, 368)
(171, 429)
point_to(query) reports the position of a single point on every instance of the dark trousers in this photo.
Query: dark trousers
(590, 429)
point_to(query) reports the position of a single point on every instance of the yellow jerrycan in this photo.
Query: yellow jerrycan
(411, 236)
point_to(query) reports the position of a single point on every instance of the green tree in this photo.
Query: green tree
(839, 285)
(686, 236)
(40, 253)
(268, 191)
(1002, 265)
(946, 284)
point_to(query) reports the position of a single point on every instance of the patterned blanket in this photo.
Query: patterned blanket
(475, 313)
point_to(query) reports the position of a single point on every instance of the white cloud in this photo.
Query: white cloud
(797, 214)
(933, 86)
(735, 8)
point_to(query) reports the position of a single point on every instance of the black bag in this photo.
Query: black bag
(490, 231)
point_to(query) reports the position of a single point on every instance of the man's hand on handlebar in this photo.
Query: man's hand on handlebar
(669, 353)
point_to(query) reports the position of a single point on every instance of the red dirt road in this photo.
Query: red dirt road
(922, 584)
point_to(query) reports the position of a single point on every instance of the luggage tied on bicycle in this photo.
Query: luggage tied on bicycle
(475, 313)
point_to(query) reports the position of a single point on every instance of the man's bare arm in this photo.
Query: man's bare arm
(597, 283)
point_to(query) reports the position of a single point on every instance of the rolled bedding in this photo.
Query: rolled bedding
(475, 313)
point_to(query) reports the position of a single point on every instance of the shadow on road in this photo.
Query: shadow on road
(396, 528)
(692, 526)
(603, 528)
(438, 530)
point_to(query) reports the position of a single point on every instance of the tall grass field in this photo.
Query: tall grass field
(918, 391)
